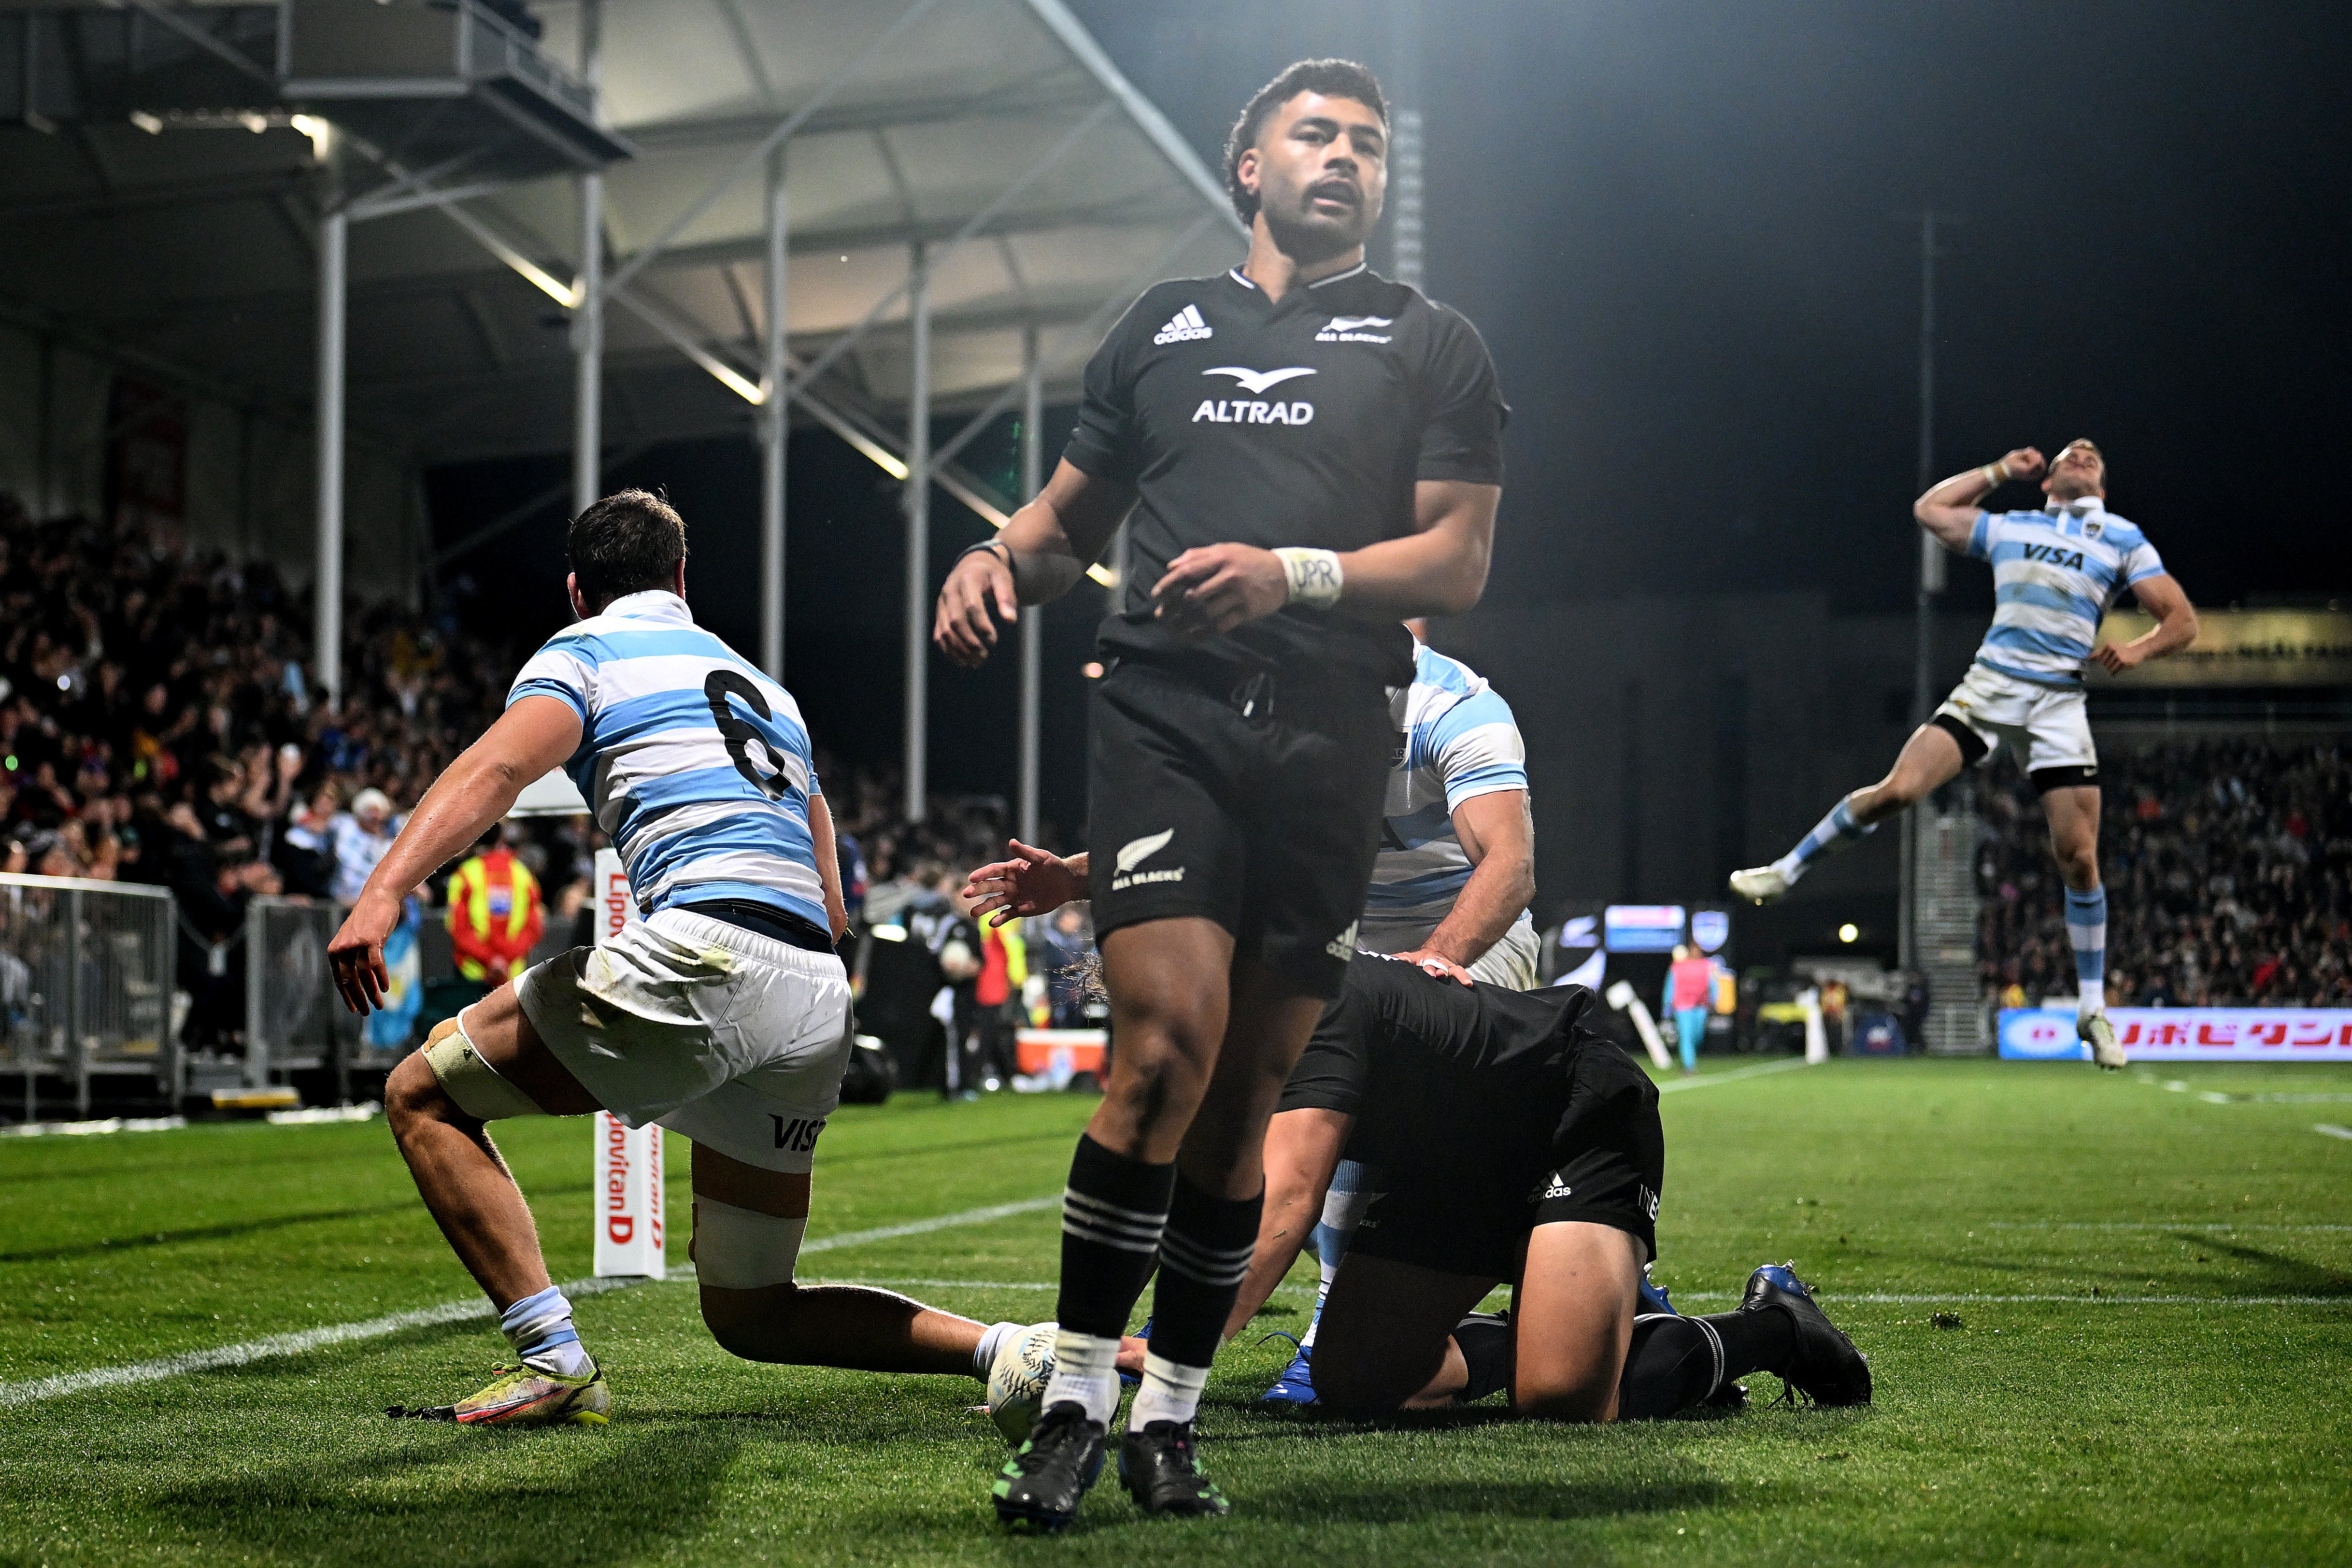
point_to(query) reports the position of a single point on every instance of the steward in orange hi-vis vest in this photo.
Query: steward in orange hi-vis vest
(496, 916)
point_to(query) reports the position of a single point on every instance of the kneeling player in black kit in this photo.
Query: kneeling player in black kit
(1517, 1144)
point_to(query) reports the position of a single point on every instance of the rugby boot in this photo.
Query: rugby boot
(1653, 1296)
(1297, 1384)
(1161, 1469)
(526, 1396)
(1761, 884)
(1826, 1368)
(1041, 1486)
(2093, 1030)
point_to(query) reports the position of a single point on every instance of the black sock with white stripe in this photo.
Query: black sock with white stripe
(1113, 1212)
(1203, 1258)
(1674, 1362)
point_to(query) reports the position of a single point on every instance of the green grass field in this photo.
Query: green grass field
(2155, 1290)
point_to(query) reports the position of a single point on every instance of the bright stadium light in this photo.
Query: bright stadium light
(1848, 931)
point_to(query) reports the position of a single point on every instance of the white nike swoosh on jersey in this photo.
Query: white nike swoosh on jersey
(1136, 850)
(1259, 380)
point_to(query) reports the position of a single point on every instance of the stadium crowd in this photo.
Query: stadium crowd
(160, 722)
(2229, 869)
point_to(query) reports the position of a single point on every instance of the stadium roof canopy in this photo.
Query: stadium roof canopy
(193, 171)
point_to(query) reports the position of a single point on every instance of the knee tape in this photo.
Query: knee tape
(472, 1082)
(743, 1249)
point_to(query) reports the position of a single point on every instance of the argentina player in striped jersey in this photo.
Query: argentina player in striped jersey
(2055, 570)
(1456, 864)
(723, 1014)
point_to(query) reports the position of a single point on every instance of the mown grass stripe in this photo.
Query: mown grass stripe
(33, 1391)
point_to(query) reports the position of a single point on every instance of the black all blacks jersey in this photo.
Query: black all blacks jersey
(1300, 422)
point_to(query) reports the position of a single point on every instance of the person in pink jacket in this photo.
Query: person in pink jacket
(1690, 986)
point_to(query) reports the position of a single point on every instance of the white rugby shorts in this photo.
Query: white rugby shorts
(734, 1039)
(2045, 727)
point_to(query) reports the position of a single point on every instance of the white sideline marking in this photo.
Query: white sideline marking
(1711, 1080)
(923, 1227)
(2215, 1096)
(33, 1391)
(2332, 1130)
(40, 1388)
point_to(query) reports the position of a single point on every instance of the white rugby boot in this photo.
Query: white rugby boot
(2093, 1030)
(1761, 884)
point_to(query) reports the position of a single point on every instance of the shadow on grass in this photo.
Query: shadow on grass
(2286, 1276)
(468, 1497)
(109, 1246)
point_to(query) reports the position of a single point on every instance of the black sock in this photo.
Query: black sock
(1485, 1342)
(1763, 1340)
(1673, 1363)
(1203, 1258)
(1112, 1214)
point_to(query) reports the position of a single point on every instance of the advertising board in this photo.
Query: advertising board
(2185, 1033)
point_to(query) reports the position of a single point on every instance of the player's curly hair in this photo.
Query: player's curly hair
(1332, 79)
(626, 543)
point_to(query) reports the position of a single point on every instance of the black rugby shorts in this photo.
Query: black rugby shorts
(1264, 821)
(1468, 1204)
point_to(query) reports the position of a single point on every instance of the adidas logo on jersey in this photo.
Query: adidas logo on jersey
(1351, 330)
(1553, 1188)
(1184, 327)
(1343, 946)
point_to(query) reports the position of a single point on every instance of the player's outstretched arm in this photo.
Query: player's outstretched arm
(531, 737)
(1038, 556)
(1440, 569)
(1302, 1149)
(2175, 628)
(1034, 882)
(1948, 510)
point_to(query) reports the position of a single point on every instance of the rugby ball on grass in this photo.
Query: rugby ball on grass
(1016, 1382)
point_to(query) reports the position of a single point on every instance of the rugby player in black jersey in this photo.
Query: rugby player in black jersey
(1516, 1144)
(1309, 454)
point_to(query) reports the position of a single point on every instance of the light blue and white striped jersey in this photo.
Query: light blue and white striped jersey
(2054, 573)
(1459, 741)
(696, 765)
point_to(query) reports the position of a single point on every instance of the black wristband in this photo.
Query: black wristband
(988, 544)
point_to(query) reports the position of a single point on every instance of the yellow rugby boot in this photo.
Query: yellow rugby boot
(526, 1396)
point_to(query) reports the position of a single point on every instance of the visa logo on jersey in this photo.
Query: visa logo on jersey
(2056, 555)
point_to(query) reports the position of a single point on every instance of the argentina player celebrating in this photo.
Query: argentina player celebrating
(723, 1014)
(2055, 569)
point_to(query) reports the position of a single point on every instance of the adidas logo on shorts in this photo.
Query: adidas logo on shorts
(1184, 327)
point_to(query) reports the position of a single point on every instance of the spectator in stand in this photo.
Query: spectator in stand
(2231, 869)
(357, 839)
(1066, 948)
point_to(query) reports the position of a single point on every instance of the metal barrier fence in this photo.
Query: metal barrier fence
(86, 983)
(293, 1021)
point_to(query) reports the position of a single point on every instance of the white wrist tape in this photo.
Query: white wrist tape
(1314, 574)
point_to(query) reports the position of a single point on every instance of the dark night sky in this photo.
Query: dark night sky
(1676, 226)
(1679, 229)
